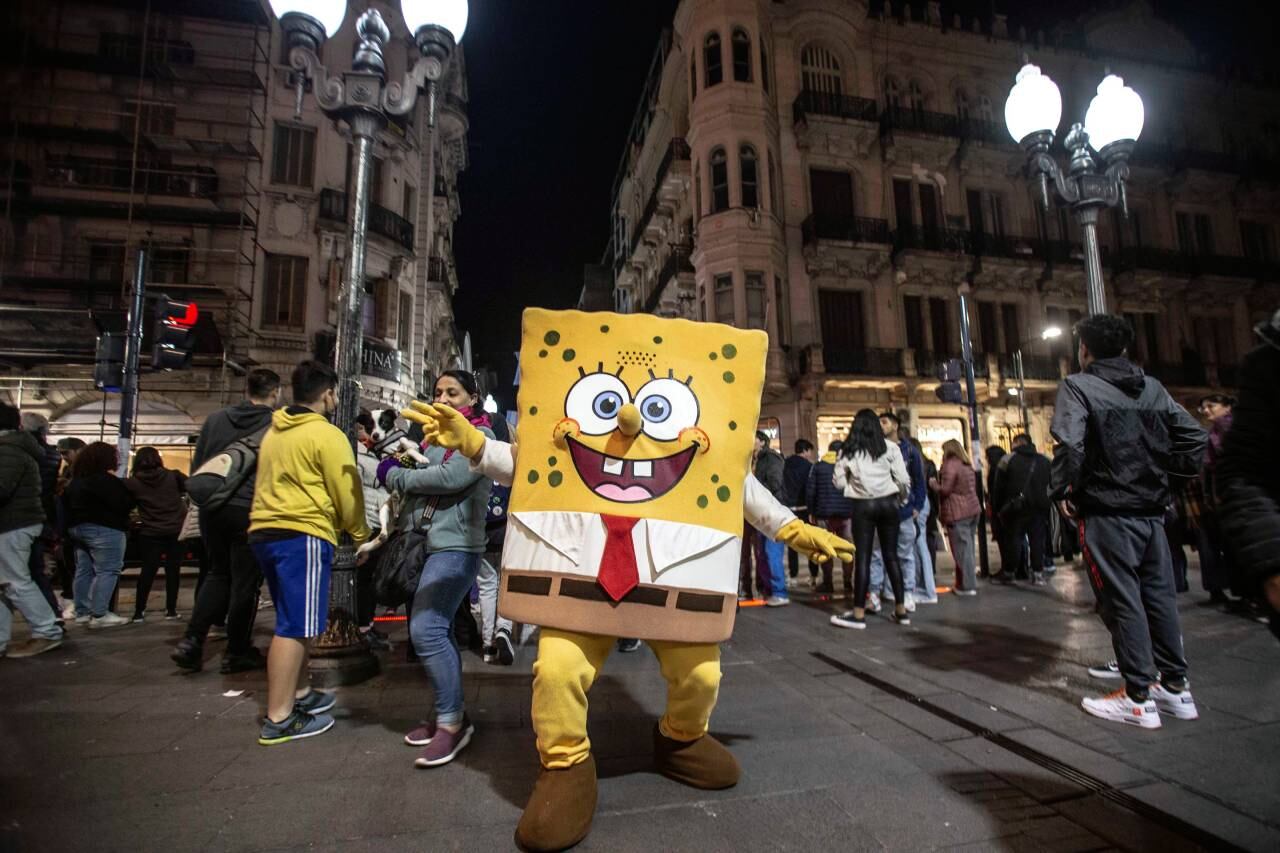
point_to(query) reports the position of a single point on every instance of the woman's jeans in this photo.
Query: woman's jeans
(99, 559)
(446, 579)
(19, 592)
(489, 579)
(152, 548)
(961, 534)
(876, 516)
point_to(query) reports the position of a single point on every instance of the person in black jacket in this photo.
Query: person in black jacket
(158, 491)
(829, 507)
(1120, 438)
(1248, 472)
(795, 474)
(1021, 499)
(50, 461)
(231, 588)
(98, 506)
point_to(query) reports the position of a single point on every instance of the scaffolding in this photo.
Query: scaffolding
(133, 123)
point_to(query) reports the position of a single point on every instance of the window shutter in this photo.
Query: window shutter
(334, 284)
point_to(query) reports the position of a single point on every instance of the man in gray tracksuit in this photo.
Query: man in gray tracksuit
(1120, 438)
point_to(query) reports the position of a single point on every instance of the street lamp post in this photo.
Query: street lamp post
(1048, 334)
(1111, 127)
(363, 98)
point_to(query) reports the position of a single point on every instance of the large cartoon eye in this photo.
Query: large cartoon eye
(594, 402)
(667, 407)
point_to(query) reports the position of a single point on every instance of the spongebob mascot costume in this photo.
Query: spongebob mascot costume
(629, 490)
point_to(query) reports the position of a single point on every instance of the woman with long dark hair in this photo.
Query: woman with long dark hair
(447, 501)
(98, 505)
(158, 491)
(995, 454)
(960, 510)
(871, 473)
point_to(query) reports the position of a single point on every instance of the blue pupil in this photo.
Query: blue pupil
(656, 410)
(607, 404)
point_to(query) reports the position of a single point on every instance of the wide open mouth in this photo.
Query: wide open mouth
(629, 480)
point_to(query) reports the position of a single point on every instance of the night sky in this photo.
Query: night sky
(553, 87)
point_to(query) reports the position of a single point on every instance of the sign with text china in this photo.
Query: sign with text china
(378, 360)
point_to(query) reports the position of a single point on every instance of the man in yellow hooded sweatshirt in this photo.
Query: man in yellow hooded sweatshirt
(308, 490)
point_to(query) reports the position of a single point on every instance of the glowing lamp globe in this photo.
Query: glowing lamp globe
(1034, 105)
(450, 15)
(328, 12)
(1051, 333)
(1115, 114)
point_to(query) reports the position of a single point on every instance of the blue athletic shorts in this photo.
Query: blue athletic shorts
(297, 572)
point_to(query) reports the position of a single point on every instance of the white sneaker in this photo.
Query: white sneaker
(909, 602)
(965, 591)
(1110, 669)
(110, 620)
(1119, 708)
(68, 610)
(777, 601)
(1179, 705)
(873, 602)
(82, 620)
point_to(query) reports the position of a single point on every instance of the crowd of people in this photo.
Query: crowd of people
(1134, 480)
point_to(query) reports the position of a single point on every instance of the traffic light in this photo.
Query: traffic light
(948, 390)
(108, 362)
(174, 334)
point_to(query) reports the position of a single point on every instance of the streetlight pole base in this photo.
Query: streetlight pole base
(340, 657)
(343, 667)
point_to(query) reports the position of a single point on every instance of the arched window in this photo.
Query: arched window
(741, 56)
(962, 104)
(712, 62)
(693, 78)
(820, 71)
(892, 94)
(750, 176)
(984, 109)
(719, 181)
(764, 65)
(917, 96)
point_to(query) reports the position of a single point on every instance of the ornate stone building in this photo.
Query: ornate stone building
(136, 125)
(832, 172)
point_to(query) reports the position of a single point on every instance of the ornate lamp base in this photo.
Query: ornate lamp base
(340, 657)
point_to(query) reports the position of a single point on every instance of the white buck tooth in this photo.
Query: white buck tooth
(612, 466)
(642, 469)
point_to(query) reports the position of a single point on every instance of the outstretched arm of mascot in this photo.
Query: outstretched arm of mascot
(447, 428)
(764, 512)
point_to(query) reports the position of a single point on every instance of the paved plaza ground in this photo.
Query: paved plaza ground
(961, 732)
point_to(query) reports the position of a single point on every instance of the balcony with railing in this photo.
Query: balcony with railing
(1182, 263)
(854, 229)
(1035, 368)
(679, 260)
(902, 120)
(437, 269)
(383, 222)
(833, 106)
(871, 361)
(932, 239)
(678, 152)
(105, 174)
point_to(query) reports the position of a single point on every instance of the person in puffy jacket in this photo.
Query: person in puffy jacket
(1248, 471)
(829, 507)
(98, 506)
(1120, 437)
(158, 491)
(959, 511)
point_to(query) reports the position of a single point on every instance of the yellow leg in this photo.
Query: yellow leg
(567, 666)
(692, 671)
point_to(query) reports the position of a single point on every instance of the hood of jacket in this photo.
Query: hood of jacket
(152, 476)
(245, 416)
(295, 416)
(24, 441)
(1120, 372)
(829, 457)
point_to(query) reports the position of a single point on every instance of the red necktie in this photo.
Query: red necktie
(618, 571)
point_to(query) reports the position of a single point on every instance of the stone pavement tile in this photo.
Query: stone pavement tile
(980, 713)
(124, 821)
(1254, 701)
(1097, 765)
(1225, 823)
(1123, 828)
(918, 719)
(1039, 782)
(799, 821)
(916, 813)
(309, 808)
(770, 766)
(929, 756)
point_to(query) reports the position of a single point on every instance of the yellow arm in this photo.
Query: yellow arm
(447, 428)
(816, 543)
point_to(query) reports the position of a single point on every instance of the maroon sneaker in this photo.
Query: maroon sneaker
(422, 735)
(445, 745)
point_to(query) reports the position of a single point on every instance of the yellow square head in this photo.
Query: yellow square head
(638, 416)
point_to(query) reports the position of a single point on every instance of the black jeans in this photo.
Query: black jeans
(36, 565)
(1128, 564)
(871, 517)
(231, 588)
(1033, 524)
(153, 548)
(366, 600)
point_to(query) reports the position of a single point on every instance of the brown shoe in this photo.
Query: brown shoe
(558, 814)
(701, 763)
(35, 646)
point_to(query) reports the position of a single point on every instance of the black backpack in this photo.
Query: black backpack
(219, 479)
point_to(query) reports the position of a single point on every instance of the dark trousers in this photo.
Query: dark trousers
(872, 518)
(153, 549)
(793, 564)
(66, 566)
(1216, 570)
(36, 565)
(1176, 536)
(1128, 564)
(231, 588)
(753, 545)
(1033, 524)
(366, 600)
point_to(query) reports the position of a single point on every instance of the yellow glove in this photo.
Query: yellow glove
(446, 427)
(816, 543)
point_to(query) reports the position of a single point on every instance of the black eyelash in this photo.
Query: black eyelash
(600, 367)
(581, 372)
(652, 375)
(671, 373)
(619, 373)
(689, 382)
